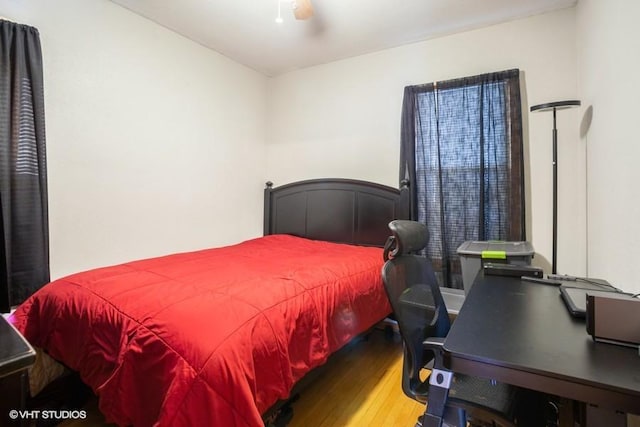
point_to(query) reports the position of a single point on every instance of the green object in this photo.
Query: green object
(493, 254)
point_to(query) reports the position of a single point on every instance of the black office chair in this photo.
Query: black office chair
(423, 321)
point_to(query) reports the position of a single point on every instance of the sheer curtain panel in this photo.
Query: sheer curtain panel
(24, 233)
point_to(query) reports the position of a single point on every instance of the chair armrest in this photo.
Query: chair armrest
(453, 299)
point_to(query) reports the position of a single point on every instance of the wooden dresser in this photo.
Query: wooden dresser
(16, 355)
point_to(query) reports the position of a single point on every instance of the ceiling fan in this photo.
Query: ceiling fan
(302, 9)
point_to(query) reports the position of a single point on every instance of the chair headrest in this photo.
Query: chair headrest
(407, 237)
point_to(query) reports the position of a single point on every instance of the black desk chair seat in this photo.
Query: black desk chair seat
(423, 322)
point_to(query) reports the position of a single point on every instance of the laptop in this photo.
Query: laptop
(576, 299)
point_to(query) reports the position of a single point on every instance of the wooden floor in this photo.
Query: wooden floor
(359, 387)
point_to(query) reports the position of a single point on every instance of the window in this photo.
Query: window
(462, 151)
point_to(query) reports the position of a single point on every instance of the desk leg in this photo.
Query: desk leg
(24, 395)
(597, 416)
(13, 389)
(579, 414)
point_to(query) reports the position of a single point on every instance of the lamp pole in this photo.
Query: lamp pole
(553, 106)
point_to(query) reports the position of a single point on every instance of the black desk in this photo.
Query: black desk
(520, 333)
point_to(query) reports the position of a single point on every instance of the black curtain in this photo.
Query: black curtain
(461, 147)
(24, 231)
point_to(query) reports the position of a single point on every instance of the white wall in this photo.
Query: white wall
(609, 59)
(342, 119)
(155, 144)
(149, 133)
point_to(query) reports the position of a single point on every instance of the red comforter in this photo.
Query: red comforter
(213, 337)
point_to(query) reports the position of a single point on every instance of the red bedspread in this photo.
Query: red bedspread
(213, 337)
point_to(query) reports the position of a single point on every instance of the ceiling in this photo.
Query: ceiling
(246, 31)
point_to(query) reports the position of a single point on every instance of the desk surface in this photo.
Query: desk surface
(15, 353)
(522, 334)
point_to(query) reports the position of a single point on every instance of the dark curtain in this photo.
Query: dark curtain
(24, 252)
(461, 147)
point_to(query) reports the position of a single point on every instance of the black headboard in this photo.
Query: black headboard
(335, 210)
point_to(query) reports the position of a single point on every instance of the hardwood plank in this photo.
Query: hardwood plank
(361, 386)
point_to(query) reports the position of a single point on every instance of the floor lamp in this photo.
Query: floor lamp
(553, 106)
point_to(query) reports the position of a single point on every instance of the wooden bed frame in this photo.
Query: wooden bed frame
(335, 210)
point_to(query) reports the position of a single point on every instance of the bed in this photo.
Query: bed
(218, 336)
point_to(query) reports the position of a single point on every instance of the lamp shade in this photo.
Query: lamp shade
(558, 105)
